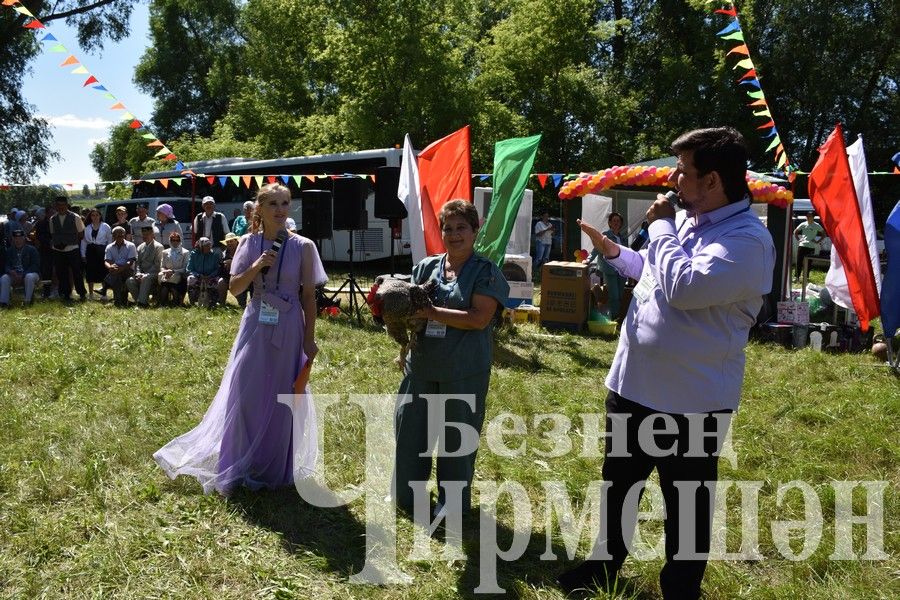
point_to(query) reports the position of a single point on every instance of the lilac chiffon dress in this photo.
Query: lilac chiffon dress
(246, 436)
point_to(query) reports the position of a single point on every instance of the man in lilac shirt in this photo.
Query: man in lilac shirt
(679, 364)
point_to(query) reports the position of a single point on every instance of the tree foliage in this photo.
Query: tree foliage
(122, 156)
(607, 82)
(96, 21)
(192, 63)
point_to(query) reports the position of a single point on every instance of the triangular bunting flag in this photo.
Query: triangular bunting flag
(109, 96)
(135, 124)
(557, 177)
(170, 156)
(235, 180)
(774, 143)
(117, 106)
(35, 24)
(311, 178)
(89, 81)
(47, 38)
(178, 180)
(753, 82)
(731, 12)
(100, 88)
(779, 149)
(733, 26)
(285, 179)
(211, 179)
(58, 48)
(758, 94)
(772, 133)
(767, 125)
(246, 179)
(744, 64)
(751, 74)
(162, 152)
(180, 166)
(742, 49)
(22, 10)
(165, 183)
(484, 176)
(542, 179)
(782, 160)
(69, 61)
(763, 113)
(758, 103)
(223, 180)
(155, 144)
(737, 35)
(270, 179)
(148, 136)
(127, 116)
(259, 181)
(81, 70)
(298, 179)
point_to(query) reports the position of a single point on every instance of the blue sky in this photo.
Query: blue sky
(80, 116)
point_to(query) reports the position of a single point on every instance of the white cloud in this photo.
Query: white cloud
(72, 122)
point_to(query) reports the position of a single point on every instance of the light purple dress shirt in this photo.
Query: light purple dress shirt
(681, 349)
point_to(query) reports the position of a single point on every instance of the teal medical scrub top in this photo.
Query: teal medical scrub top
(461, 352)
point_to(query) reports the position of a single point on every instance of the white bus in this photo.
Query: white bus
(213, 178)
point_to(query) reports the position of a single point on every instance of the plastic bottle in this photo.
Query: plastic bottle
(815, 341)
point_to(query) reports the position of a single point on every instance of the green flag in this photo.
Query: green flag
(513, 159)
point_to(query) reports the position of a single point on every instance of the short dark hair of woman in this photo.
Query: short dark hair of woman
(614, 214)
(459, 208)
(719, 149)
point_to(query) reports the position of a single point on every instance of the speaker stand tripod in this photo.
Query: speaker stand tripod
(353, 305)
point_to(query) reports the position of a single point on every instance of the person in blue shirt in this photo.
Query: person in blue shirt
(452, 355)
(22, 268)
(203, 269)
(615, 283)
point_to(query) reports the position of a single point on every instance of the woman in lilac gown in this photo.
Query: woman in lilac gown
(246, 436)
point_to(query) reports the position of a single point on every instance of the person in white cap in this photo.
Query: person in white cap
(242, 223)
(211, 224)
(166, 224)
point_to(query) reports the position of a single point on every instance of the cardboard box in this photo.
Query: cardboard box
(520, 292)
(565, 294)
(796, 313)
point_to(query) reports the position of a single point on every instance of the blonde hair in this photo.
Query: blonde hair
(266, 191)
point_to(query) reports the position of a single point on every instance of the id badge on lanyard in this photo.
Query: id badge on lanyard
(268, 314)
(644, 288)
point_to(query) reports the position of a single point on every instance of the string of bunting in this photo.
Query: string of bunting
(247, 181)
(54, 45)
(759, 105)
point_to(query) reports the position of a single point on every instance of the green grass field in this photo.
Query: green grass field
(90, 392)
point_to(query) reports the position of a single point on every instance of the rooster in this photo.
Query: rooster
(398, 302)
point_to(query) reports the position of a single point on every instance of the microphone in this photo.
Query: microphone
(276, 247)
(641, 238)
(674, 200)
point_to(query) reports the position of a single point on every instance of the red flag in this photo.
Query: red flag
(445, 173)
(833, 195)
(211, 179)
(542, 179)
(90, 80)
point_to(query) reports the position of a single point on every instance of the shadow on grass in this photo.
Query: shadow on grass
(331, 533)
(528, 569)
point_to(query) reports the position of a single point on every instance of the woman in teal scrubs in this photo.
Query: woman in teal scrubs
(451, 356)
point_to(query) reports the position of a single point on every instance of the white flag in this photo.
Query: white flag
(408, 192)
(836, 279)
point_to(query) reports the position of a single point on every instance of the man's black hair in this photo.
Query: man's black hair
(719, 149)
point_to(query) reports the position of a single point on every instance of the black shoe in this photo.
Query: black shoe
(82, 297)
(589, 575)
